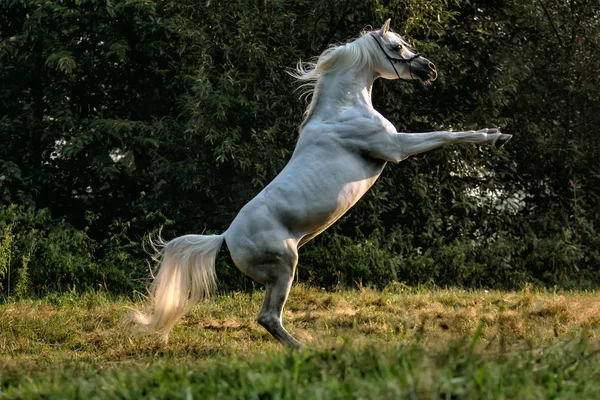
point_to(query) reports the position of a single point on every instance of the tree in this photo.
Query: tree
(119, 117)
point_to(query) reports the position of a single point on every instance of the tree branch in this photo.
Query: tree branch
(551, 22)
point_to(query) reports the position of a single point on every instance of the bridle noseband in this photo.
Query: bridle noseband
(394, 60)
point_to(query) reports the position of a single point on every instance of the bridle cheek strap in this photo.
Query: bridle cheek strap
(394, 60)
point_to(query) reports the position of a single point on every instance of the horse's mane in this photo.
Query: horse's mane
(355, 54)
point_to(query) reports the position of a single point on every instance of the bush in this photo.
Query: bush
(39, 253)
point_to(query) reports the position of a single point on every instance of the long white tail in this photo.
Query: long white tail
(186, 275)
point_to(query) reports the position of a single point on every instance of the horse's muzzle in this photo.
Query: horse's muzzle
(425, 70)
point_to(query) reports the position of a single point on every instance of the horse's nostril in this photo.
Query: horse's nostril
(433, 71)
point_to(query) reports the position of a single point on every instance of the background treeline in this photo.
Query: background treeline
(118, 117)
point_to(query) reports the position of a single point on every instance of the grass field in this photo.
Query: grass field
(396, 343)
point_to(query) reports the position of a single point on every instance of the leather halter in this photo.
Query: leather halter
(395, 60)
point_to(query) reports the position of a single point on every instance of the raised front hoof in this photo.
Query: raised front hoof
(502, 140)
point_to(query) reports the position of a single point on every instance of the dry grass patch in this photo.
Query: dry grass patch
(86, 328)
(365, 343)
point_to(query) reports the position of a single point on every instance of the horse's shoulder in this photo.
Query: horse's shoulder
(382, 121)
(352, 130)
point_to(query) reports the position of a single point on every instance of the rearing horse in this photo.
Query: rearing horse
(344, 146)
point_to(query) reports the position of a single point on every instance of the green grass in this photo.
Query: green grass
(397, 343)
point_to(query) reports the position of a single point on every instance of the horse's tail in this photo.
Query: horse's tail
(185, 276)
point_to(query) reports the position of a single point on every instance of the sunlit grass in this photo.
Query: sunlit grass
(436, 331)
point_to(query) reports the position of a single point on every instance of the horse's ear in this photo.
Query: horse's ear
(386, 27)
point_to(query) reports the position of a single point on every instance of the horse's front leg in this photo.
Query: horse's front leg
(415, 143)
(398, 146)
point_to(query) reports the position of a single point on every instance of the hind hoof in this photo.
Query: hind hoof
(502, 140)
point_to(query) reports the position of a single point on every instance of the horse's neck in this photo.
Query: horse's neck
(343, 90)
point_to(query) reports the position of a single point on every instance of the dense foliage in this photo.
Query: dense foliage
(118, 117)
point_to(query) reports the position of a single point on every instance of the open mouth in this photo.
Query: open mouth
(426, 77)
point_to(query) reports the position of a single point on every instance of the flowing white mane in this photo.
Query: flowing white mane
(355, 54)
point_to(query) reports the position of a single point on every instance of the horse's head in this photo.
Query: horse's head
(397, 60)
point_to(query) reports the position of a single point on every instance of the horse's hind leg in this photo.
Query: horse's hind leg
(272, 261)
(270, 315)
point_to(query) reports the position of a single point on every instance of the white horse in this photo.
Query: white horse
(343, 147)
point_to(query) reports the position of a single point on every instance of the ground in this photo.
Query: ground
(397, 343)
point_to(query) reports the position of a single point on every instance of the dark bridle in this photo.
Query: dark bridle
(395, 60)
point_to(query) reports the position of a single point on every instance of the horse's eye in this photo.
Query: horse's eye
(397, 47)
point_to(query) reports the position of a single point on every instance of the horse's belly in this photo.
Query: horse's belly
(323, 217)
